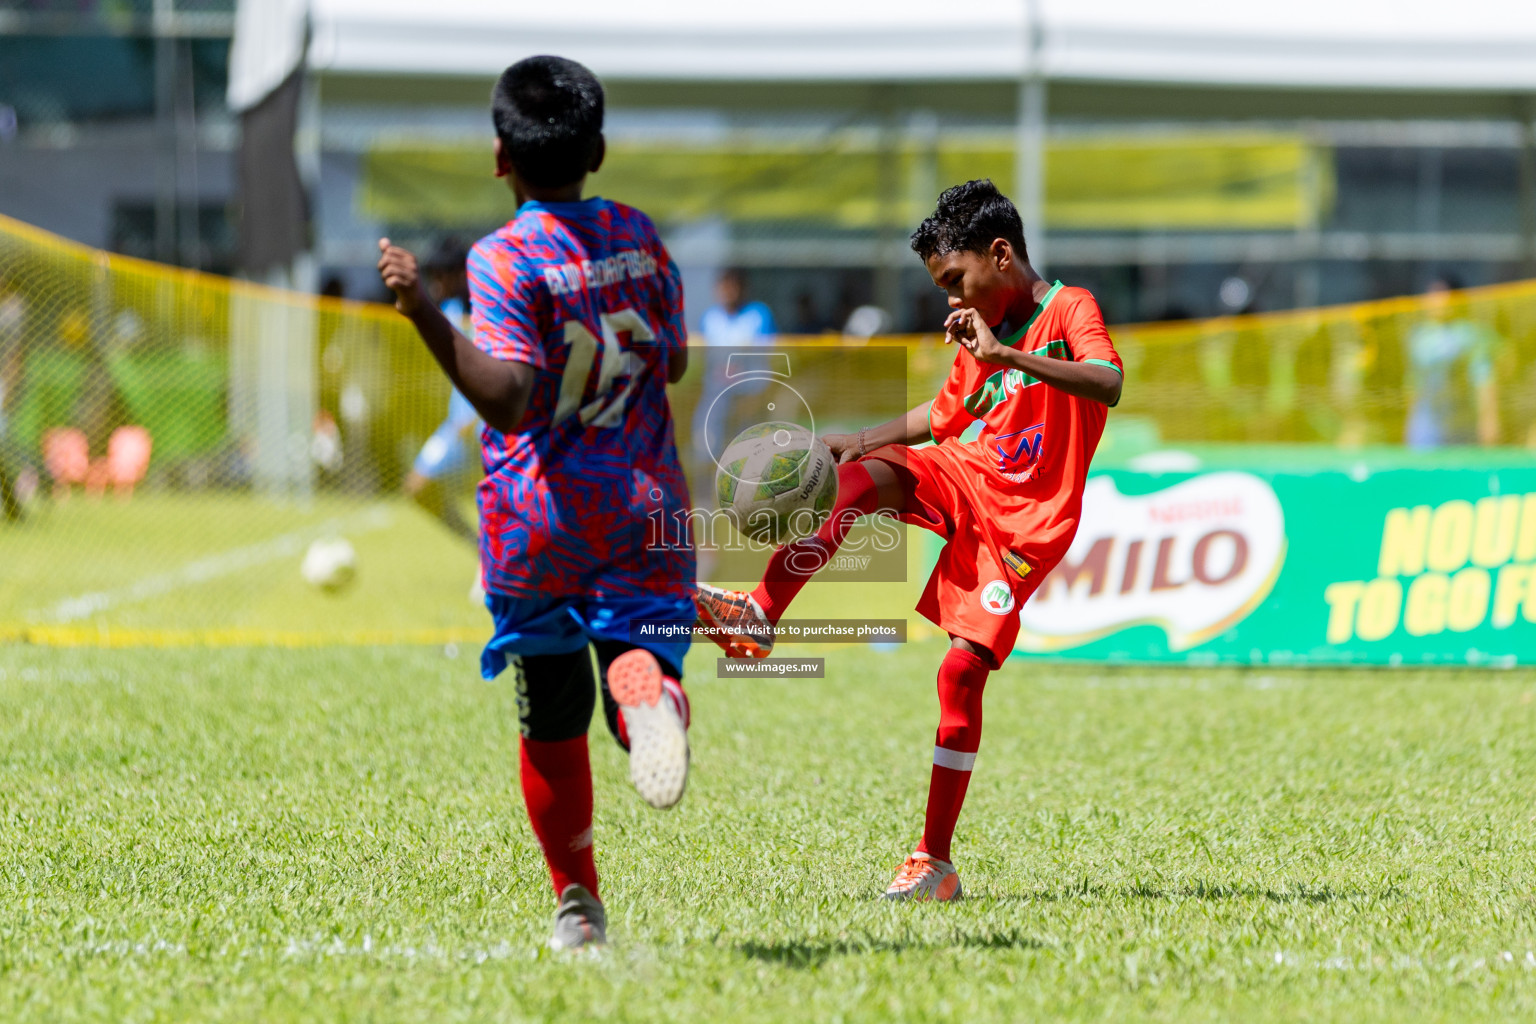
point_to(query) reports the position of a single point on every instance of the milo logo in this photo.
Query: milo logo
(1193, 559)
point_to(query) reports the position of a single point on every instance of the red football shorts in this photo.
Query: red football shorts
(971, 594)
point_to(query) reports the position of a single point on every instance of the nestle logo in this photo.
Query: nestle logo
(1186, 511)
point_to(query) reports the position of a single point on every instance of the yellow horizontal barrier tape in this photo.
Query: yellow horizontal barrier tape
(89, 636)
(115, 263)
(1166, 332)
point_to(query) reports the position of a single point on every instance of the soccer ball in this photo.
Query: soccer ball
(329, 564)
(777, 482)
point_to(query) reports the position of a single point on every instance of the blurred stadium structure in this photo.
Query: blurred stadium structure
(1321, 153)
(1276, 172)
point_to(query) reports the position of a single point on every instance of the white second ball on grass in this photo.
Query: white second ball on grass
(329, 564)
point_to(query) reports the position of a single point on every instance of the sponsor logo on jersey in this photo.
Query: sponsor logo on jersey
(997, 597)
(1194, 559)
(1004, 384)
(1019, 452)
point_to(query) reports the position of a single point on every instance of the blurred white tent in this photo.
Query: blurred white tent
(1094, 59)
(1368, 44)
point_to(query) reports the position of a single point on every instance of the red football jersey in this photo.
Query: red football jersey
(1019, 449)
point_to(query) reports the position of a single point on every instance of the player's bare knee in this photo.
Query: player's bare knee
(960, 643)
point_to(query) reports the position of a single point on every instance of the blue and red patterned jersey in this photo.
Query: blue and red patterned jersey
(585, 496)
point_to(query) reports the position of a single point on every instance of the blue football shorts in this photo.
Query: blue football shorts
(560, 625)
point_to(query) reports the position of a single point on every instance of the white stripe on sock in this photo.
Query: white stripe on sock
(959, 760)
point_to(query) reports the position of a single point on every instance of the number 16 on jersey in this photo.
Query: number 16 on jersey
(601, 408)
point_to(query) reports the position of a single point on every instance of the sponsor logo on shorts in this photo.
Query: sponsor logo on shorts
(997, 598)
(1016, 563)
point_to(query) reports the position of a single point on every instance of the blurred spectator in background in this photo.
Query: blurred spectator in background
(733, 320)
(13, 315)
(61, 381)
(1452, 391)
(928, 312)
(807, 318)
(731, 323)
(867, 321)
(449, 457)
(326, 446)
(849, 290)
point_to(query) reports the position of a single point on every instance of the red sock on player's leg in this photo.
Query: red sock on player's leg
(557, 787)
(962, 676)
(672, 690)
(793, 565)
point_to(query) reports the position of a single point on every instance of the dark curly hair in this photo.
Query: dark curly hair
(548, 113)
(967, 219)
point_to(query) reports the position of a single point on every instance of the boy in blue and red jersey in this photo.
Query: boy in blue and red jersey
(578, 329)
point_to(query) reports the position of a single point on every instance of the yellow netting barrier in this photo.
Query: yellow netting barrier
(171, 442)
(1459, 367)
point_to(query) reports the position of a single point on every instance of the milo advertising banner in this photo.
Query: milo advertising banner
(1392, 560)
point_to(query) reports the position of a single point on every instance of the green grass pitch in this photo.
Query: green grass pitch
(211, 562)
(336, 834)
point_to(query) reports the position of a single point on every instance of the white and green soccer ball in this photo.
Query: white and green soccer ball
(329, 564)
(777, 482)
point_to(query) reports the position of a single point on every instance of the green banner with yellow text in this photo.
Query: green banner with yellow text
(1380, 559)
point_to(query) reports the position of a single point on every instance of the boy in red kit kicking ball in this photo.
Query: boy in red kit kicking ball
(1014, 427)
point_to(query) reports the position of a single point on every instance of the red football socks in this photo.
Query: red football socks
(793, 565)
(557, 787)
(962, 677)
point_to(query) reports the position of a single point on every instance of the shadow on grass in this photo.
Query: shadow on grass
(1204, 891)
(807, 954)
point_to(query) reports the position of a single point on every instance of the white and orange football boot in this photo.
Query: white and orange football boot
(733, 619)
(654, 715)
(923, 878)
